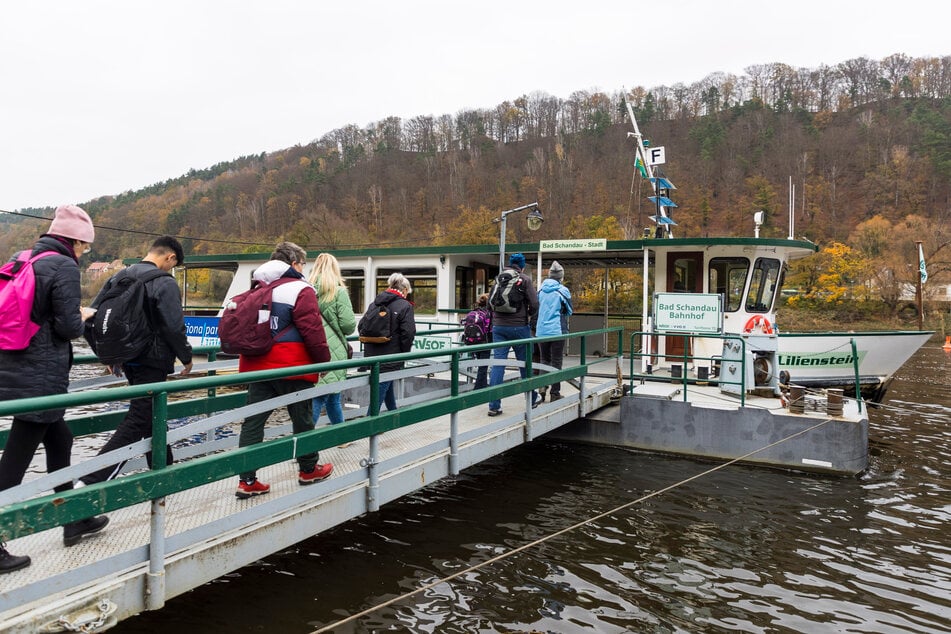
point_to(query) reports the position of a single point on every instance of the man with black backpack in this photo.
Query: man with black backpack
(514, 304)
(162, 308)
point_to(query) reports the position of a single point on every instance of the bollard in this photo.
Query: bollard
(797, 399)
(834, 402)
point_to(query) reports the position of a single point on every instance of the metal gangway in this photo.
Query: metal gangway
(175, 527)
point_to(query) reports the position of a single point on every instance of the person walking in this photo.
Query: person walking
(509, 326)
(163, 304)
(299, 339)
(401, 331)
(554, 308)
(336, 312)
(42, 368)
(478, 330)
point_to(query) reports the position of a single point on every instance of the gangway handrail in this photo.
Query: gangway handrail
(48, 511)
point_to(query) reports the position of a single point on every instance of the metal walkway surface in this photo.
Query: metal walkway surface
(209, 532)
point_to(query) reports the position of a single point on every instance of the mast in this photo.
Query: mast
(659, 185)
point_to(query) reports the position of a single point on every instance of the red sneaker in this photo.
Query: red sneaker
(250, 489)
(318, 473)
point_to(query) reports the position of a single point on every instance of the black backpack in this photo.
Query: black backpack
(376, 324)
(475, 327)
(508, 294)
(245, 324)
(122, 329)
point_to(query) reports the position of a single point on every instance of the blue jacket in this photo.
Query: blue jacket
(554, 307)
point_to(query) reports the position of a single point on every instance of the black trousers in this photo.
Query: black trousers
(553, 353)
(22, 443)
(136, 425)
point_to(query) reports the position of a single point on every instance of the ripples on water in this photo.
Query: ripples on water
(741, 549)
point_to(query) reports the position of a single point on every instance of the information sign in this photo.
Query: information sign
(688, 312)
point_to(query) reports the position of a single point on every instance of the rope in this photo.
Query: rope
(542, 540)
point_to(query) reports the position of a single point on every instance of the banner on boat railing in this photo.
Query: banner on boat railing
(688, 312)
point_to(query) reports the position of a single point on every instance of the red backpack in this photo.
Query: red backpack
(245, 324)
(17, 287)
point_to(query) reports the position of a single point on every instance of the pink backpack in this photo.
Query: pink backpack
(17, 285)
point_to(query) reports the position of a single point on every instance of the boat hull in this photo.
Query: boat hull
(826, 360)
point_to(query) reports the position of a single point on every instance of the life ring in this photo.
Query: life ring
(758, 321)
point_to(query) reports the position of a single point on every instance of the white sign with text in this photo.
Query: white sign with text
(688, 312)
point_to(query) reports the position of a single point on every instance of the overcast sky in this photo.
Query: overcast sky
(101, 97)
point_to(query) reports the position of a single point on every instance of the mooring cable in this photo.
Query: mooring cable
(541, 540)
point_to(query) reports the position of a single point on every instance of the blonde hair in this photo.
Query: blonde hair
(325, 276)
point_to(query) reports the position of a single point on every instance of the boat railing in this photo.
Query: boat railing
(685, 359)
(30, 507)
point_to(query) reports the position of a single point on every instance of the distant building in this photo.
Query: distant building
(98, 269)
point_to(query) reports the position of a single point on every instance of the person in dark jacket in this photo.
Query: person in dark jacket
(299, 339)
(156, 362)
(512, 326)
(402, 332)
(43, 367)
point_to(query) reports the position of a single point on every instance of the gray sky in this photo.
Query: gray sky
(101, 97)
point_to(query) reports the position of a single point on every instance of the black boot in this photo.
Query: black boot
(10, 562)
(75, 531)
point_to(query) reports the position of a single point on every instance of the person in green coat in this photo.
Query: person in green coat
(336, 311)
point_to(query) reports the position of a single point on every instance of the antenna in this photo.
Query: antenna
(792, 209)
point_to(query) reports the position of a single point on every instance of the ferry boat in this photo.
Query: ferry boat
(745, 274)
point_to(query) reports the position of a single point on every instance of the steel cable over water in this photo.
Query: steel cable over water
(542, 540)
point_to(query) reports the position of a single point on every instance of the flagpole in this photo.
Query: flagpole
(918, 292)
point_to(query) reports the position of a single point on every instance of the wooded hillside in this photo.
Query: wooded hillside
(862, 140)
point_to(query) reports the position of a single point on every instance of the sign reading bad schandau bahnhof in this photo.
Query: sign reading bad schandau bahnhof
(687, 312)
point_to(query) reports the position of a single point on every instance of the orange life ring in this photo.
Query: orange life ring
(762, 322)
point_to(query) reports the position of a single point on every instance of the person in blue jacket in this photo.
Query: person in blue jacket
(554, 308)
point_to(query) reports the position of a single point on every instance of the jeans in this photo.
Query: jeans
(301, 413)
(334, 408)
(482, 372)
(136, 425)
(553, 353)
(507, 333)
(387, 397)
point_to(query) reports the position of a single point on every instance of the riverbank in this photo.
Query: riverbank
(859, 316)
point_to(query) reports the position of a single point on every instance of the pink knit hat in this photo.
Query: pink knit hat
(72, 222)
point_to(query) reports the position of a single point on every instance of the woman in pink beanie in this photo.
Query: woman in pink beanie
(43, 367)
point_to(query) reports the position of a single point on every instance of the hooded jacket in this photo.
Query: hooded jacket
(339, 321)
(402, 329)
(298, 329)
(43, 367)
(554, 307)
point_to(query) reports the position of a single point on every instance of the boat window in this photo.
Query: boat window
(424, 287)
(354, 280)
(727, 279)
(204, 289)
(763, 285)
(470, 283)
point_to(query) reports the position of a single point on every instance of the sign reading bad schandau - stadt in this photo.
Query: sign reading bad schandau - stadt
(687, 312)
(583, 244)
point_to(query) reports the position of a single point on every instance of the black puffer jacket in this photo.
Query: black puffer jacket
(165, 309)
(43, 368)
(402, 329)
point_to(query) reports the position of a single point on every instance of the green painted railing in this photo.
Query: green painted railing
(684, 358)
(25, 517)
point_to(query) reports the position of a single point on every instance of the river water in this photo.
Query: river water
(739, 549)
